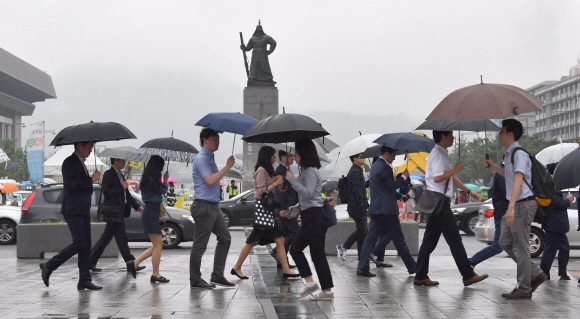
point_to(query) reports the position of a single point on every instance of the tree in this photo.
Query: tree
(473, 153)
(16, 155)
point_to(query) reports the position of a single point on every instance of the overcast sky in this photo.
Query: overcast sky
(159, 66)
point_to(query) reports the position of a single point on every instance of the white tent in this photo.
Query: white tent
(52, 166)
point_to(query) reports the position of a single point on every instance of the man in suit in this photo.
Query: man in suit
(116, 193)
(384, 212)
(76, 205)
(287, 197)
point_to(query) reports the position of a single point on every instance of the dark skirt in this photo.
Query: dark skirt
(150, 218)
(264, 237)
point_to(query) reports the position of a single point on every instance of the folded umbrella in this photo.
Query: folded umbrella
(282, 128)
(567, 172)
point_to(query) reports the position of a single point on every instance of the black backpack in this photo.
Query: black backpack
(543, 185)
(343, 190)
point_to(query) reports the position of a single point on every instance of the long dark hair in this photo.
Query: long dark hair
(151, 178)
(265, 159)
(308, 155)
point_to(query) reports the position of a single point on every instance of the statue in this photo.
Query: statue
(259, 72)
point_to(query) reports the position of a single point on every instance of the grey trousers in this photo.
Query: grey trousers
(208, 219)
(515, 241)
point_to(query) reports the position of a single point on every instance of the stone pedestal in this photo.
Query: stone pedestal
(259, 102)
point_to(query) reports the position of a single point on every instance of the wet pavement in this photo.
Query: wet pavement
(391, 294)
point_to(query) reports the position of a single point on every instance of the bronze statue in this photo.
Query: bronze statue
(260, 72)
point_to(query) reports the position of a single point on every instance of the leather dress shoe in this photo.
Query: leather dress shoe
(538, 281)
(45, 273)
(88, 285)
(222, 281)
(95, 269)
(160, 279)
(202, 284)
(364, 273)
(384, 265)
(131, 268)
(475, 279)
(411, 271)
(517, 294)
(425, 282)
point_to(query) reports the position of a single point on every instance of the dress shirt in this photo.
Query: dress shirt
(83, 160)
(437, 165)
(203, 166)
(308, 186)
(522, 163)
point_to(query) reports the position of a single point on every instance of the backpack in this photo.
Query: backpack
(543, 185)
(343, 190)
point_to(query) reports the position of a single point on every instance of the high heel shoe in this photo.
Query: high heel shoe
(131, 268)
(160, 279)
(235, 273)
(285, 275)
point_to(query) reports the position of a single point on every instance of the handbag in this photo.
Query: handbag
(431, 202)
(110, 213)
(329, 213)
(263, 214)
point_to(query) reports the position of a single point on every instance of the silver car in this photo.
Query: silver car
(485, 228)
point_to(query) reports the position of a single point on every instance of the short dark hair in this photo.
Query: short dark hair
(513, 126)
(386, 149)
(282, 153)
(82, 143)
(438, 135)
(233, 181)
(206, 133)
(352, 157)
(115, 159)
(308, 155)
(265, 159)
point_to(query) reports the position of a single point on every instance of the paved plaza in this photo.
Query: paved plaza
(391, 294)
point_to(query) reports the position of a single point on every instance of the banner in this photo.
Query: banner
(35, 152)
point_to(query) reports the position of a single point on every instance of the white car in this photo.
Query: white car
(485, 228)
(9, 218)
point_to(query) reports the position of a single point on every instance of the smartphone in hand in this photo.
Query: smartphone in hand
(487, 158)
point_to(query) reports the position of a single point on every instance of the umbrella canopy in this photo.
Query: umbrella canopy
(234, 173)
(170, 179)
(284, 128)
(123, 152)
(473, 125)
(170, 148)
(9, 188)
(567, 172)
(236, 123)
(359, 145)
(329, 186)
(92, 131)
(3, 156)
(322, 154)
(555, 153)
(485, 101)
(406, 142)
(326, 144)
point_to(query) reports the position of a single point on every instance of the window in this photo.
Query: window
(53, 196)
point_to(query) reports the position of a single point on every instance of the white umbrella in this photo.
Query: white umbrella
(358, 145)
(3, 156)
(554, 153)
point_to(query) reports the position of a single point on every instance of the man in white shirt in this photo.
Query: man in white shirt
(517, 222)
(440, 178)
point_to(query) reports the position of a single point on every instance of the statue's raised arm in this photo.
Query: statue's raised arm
(260, 72)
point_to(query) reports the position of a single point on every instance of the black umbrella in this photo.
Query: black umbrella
(92, 132)
(329, 186)
(284, 128)
(169, 148)
(567, 172)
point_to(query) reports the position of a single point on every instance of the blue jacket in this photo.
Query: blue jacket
(383, 189)
(557, 220)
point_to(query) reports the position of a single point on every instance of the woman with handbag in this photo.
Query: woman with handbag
(312, 233)
(265, 229)
(151, 192)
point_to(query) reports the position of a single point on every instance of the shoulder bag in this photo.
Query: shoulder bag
(431, 202)
(329, 213)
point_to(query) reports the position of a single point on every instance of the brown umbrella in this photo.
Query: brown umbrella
(485, 101)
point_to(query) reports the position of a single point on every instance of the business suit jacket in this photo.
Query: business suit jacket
(383, 189)
(557, 220)
(113, 191)
(290, 196)
(78, 187)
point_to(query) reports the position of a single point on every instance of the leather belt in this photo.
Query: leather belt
(206, 202)
(526, 199)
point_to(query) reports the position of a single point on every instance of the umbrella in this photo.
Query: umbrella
(326, 144)
(9, 188)
(406, 142)
(329, 186)
(3, 156)
(123, 152)
(289, 146)
(170, 179)
(92, 131)
(282, 128)
(234, 173)
(554, 153)
(567, 172)
(485, 101)
(236, 123)
(170, 148)
(359, 145)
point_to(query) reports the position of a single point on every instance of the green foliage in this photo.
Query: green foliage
(17, 155)
(473, 153)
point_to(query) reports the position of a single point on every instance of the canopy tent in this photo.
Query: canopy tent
(52, 166)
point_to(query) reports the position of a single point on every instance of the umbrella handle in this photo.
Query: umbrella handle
(95, 153)
(234, 144)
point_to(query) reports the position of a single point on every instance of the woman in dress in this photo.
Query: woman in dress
(264, 181)
(151, 192)
(314, 223)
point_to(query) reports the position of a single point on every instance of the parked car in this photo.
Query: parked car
(9, 218)
(485, 228)
(44, 204)
(17, 198)
(466, 215)
(239, 210)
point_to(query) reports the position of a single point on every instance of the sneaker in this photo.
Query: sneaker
(323, 296)
(308, 290)
(222, 281)
(202, 284)
(341, 252)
